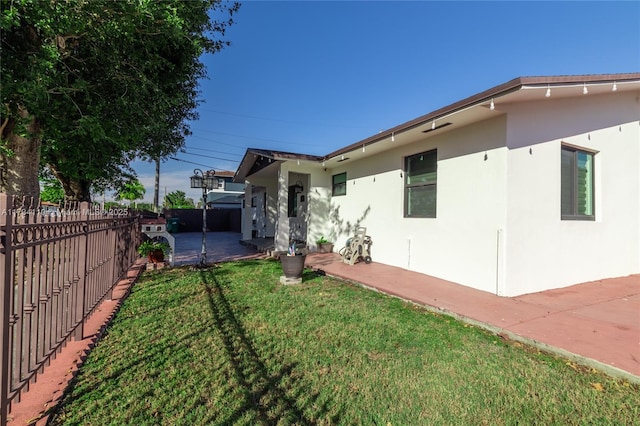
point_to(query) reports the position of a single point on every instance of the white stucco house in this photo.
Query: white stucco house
(530, 185)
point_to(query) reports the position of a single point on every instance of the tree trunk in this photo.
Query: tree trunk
(19, 166)
(156, 189)
(74, 190)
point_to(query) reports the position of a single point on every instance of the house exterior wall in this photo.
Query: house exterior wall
(312, 222)
(260, 217)
(461, 243)
(498, 225)
(246, 225)
(544, 251)
(318, 208)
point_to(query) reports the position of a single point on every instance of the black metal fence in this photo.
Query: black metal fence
(218, 220)
(56, 267)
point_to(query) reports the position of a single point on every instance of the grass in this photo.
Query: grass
(232, 346)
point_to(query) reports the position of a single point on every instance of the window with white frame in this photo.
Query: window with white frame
(577, 182)
(420, 184)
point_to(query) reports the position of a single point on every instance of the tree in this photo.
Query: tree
(145, 206)
(178, 200)
(52, 191)
(87, 86)
(131, 191)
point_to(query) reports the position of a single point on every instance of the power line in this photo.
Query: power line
(214, 140)
(210, 156)
(191, 162)
(250, 116)
(278, 120)
(211, 150)
(250, 137)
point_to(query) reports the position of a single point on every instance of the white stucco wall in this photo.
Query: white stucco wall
(319, 201)
(544, 251)
(265, 217)
(460, 244)
(498, 226)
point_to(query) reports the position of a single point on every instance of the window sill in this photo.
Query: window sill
(583, 218)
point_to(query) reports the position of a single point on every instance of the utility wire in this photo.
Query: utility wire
(252, 137)
(215, 140)
(305, 123)
(211, 150)
(210, 156)
(191, 162)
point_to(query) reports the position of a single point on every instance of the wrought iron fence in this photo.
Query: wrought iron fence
(56, 266)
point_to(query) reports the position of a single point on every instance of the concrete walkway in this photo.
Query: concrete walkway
(596, 323)
(221, 247)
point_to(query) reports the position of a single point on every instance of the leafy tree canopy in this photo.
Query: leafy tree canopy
(51, 191)
(93, 84)
(131, 191)
(178, 200)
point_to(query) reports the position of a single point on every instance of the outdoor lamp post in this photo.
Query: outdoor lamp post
(205, 180)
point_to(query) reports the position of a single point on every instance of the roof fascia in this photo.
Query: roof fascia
(250, 163)
(247, 164)
(482, 97)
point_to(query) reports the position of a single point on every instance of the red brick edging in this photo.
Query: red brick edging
(35, 405)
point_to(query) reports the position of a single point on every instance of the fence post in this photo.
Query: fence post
(81, 305)
(5, 307)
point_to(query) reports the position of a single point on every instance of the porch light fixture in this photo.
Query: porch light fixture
(584, 89)
(615, 87)
(433, 125)
(492, 106)
(393, 137)
(548, 94)
(362, 147)
(205, 180)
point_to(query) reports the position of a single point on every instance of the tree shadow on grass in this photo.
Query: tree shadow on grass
(280, 398)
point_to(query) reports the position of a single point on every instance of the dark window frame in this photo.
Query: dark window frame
(573, 172)
(428, 184)
(335, 187)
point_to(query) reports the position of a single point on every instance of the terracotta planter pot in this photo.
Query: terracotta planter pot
(325, 247)
(156, 256)
(292, 266)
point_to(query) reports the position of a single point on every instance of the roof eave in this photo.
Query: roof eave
(252, 155)
(483, 97)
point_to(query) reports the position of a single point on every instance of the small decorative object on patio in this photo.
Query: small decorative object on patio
(357, 248)
(154, 250)
(292, 263)
(324, 246)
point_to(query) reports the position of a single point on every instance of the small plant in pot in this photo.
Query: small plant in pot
(154, 250)
(324, 245)
(292, 262)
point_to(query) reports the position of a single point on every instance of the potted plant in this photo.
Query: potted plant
(324, 245)
(154, 250)
(292, 263)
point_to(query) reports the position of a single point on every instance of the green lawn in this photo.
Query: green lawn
(233, 346)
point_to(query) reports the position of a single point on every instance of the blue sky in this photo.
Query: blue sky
(314, 76)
